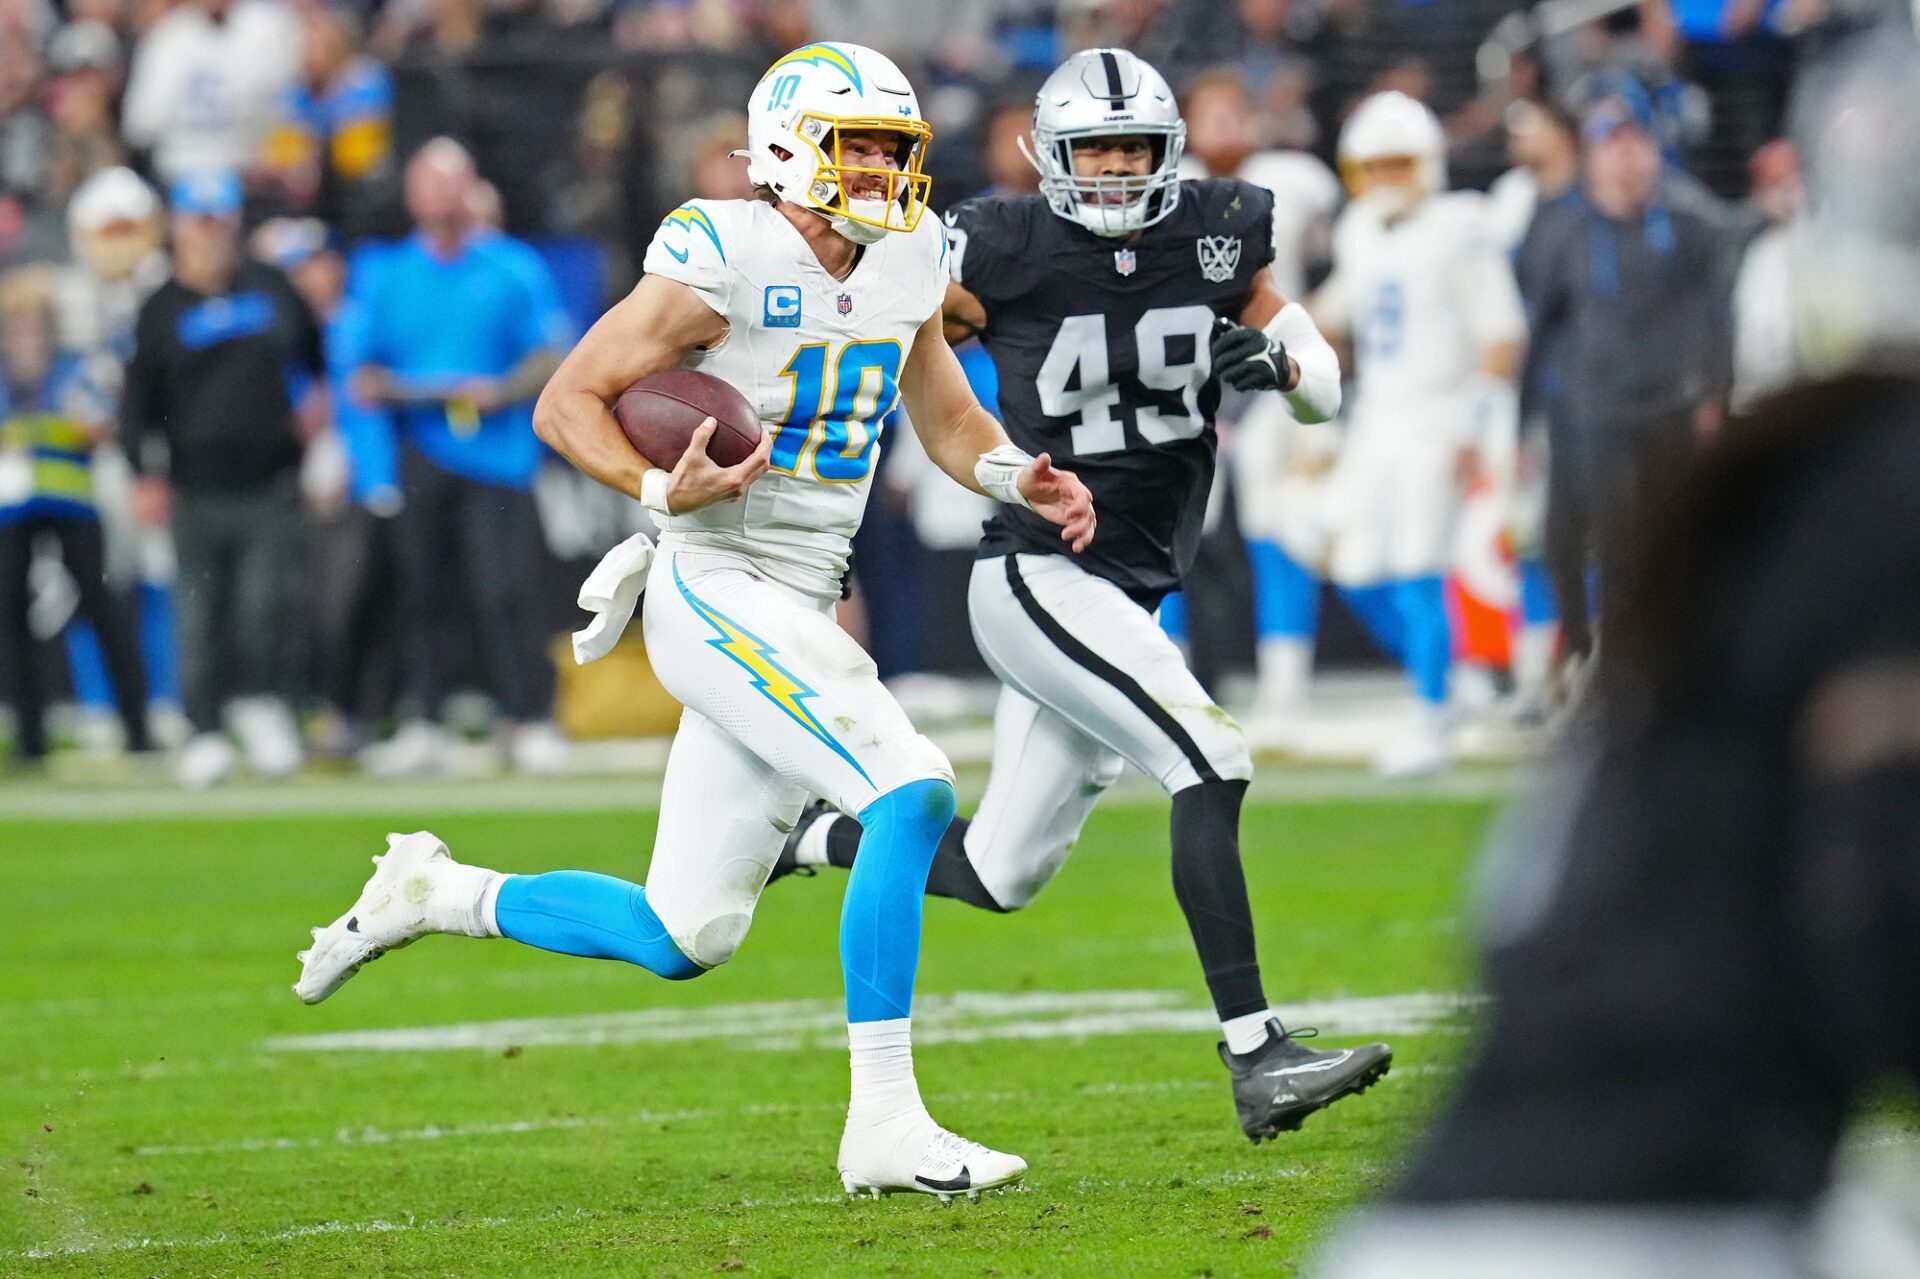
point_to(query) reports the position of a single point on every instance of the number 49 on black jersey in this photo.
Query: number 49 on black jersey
(1102, 349)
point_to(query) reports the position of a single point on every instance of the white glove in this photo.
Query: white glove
(610, 593)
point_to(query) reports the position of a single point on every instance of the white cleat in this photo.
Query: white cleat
(393, 910)
(914, 1155)
(205, 761)
(1425, 750)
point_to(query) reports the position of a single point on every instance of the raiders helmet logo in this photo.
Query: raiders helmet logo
(1219, 256)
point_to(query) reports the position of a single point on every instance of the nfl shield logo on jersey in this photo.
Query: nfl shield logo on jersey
(1124, 261)
(845, 303)
(1219, 256)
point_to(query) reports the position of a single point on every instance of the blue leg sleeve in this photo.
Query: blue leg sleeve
(156, 643)
(1423, 609)
(880, 916)
(87, 666)
(1173, 616)
(1375, 607)
(577, 912)
(1536, 595)
(1286, 598)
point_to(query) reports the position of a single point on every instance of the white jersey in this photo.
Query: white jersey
(818, 358)
(1423, 298)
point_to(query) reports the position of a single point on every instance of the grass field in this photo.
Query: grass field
(170, 1108)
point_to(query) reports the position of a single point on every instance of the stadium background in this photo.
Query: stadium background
(592, 120)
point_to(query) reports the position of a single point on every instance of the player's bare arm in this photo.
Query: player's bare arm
(963, 438)
(1277, 347)
(653, 329)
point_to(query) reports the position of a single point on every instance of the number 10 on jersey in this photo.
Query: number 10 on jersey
(833, 421)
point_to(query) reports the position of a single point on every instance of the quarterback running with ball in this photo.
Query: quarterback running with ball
(1114, 304)
(820, 300)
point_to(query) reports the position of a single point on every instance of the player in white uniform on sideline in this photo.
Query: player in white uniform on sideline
(1278, 462)
(1421, 285)
(820, 300)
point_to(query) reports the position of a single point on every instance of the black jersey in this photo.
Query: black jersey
(1702, 948)
(1102, 349)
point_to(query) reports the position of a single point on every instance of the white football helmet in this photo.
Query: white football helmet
(794, 119)
(1390, 126)
(1107, 93)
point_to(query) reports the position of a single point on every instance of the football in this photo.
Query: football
(661, 413)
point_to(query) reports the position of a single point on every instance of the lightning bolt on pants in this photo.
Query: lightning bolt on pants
(780, 704)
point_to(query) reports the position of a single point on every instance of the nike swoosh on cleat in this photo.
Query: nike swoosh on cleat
(1312, 1067)
(962, 1182)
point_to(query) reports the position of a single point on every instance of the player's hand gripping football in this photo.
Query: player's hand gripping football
(1060, 497)
(699, 481)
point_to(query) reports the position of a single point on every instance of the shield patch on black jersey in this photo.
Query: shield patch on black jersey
(1124, 261)
(1219, 256)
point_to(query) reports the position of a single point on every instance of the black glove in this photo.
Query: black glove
(1247, 359)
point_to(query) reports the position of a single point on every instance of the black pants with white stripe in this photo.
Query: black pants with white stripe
(1091, 681)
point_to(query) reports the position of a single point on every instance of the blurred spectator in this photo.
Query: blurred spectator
(209, 415)
(592, 183)
(29, 219)
(205, 83)
(351, 484)
(1009, 131)
(50, 422)
(1765, 353)
(113, 224)
(114, 233)
(1634, 278)
(1734, 50)
(719, 167)
(85, 57)
(459, 332)
(1543, 142)
(332, 147)
(1167, 33)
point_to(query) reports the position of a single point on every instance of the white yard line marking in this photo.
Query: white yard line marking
(375, 1227)
(820, 1023)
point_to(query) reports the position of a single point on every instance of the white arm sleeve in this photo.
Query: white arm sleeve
(1317, 396)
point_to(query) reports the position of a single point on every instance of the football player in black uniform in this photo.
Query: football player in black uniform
(1114, 303)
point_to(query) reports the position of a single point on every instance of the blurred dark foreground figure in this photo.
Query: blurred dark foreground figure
(1699, 935)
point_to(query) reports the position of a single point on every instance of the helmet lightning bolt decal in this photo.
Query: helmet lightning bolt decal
(775, 682)
(824, 55)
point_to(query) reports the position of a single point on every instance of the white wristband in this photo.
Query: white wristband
(653, 491)
(998, 472)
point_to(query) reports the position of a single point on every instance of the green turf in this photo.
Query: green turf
(144, 962)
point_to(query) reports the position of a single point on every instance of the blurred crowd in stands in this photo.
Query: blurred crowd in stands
(282, 277)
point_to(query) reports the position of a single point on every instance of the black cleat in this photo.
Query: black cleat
(1280, 1083)
(786, 864)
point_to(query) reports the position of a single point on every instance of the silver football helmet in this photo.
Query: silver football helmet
(1107, 93)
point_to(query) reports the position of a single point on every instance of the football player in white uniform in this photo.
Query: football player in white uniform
(1422, 287)
(820, 300)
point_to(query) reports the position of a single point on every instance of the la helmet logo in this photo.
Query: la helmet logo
(1219, 256)
(845, 303)
(1124, 261)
